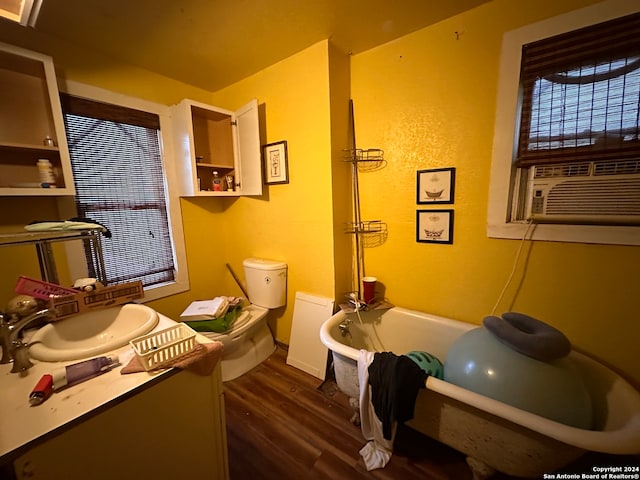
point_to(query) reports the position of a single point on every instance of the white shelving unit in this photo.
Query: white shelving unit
(212, 139)
(31, 124)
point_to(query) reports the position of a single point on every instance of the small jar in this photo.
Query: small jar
(45, 170)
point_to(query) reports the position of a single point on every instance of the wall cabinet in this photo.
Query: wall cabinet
(211, 139)
(31, 124)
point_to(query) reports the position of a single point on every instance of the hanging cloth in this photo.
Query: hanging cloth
(395, 381)
(389, 386)
(377, 452)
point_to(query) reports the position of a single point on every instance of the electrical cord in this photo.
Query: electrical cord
(515, 266)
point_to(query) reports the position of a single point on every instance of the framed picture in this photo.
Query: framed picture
(434, 226)
(435, 185)
(276, 168)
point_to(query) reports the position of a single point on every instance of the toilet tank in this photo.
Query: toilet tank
(266, 282)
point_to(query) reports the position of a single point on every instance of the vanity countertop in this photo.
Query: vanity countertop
(21, 423)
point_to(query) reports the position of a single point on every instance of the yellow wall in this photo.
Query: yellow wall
(431, 104)
(72, 62)
(427, 99)
(291, 222)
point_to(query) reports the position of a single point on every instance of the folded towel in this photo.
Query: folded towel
(201, 360)
(76, 223)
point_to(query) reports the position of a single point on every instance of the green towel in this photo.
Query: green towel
(218, 325)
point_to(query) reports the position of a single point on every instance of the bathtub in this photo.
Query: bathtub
(493, 435)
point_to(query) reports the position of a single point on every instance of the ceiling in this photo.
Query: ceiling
(214, 43)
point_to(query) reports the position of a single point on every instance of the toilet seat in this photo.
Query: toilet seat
(239, 327)
(246, 344)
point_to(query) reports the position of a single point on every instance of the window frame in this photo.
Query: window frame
(75, 254)
(503, 183)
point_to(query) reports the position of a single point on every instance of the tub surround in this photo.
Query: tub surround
(494, 435)
(26, 429)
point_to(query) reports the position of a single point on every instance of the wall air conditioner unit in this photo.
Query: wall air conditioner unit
(585, 193)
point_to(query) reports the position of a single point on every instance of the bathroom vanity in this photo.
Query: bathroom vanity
(164, 425)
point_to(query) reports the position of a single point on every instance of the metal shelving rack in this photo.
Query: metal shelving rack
(366, 232)
(43, 240)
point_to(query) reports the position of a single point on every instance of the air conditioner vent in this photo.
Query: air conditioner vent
(562, 170)
(603, 196)
(622, 167)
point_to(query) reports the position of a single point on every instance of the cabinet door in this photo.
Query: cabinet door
(31, 124)
(185, 161)
(171, 430)
(248, 163)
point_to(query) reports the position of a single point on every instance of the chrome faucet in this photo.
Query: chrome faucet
(4, 338)
(344, 327)
(13, 348)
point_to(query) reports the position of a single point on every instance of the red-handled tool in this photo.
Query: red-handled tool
(42, 390)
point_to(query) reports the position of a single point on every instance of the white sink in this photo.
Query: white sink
(92, 333)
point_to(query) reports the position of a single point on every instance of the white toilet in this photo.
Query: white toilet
(249, 342)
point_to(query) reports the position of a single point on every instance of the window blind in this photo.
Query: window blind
(581, 95)
(119, 180)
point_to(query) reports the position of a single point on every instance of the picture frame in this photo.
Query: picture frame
(435, 185)
(276, 163)
(434, 226)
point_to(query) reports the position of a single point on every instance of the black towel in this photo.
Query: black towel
(394, 381)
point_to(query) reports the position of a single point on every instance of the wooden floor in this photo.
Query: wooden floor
(285, 424)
